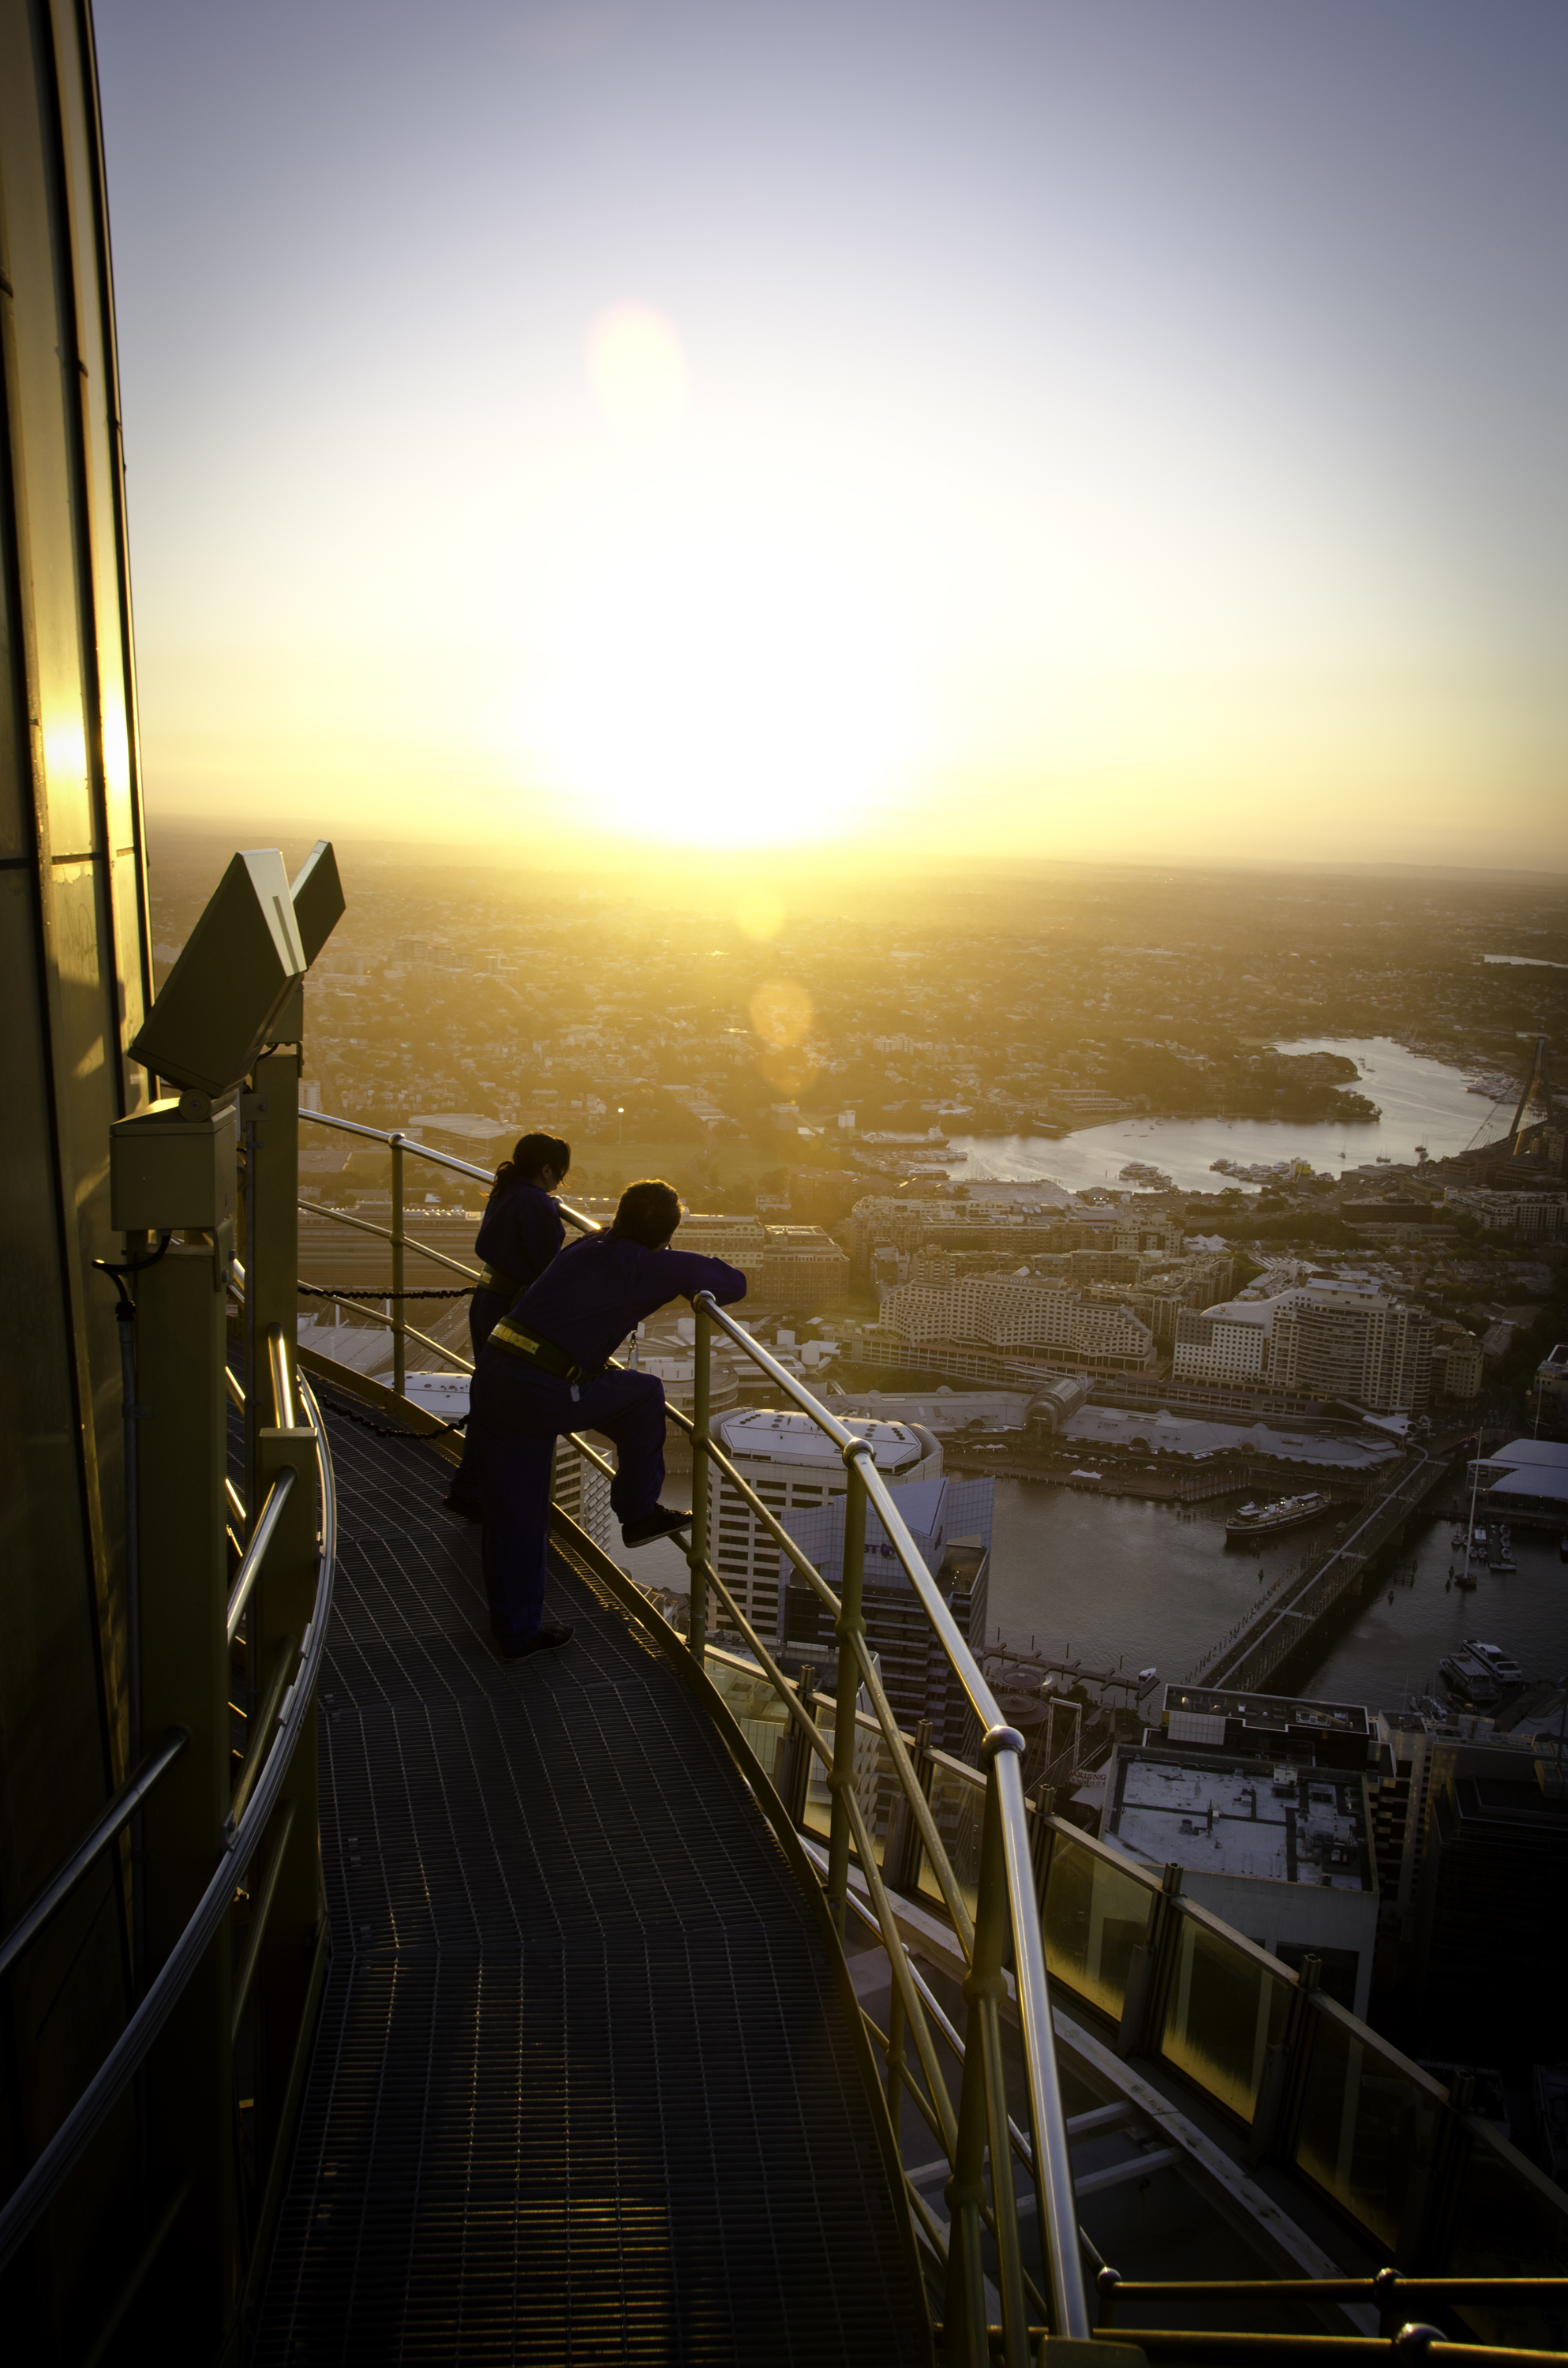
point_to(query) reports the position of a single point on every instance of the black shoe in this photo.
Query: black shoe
(543, 1640)
(469, 1508)
(662, 1522)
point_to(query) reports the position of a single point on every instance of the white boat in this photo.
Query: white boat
(1502, 1665)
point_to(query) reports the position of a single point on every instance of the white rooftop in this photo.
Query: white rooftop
(1301, 1827)
(1529, 1450)
(795, 1439)
(1194, 1435)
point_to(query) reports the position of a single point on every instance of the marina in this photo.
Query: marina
(1111, 1581)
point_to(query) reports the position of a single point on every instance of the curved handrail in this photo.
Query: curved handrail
(33, 2197)
(439, 1159)
(1000, 1748)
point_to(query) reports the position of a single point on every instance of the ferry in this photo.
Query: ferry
(1470, 1680)
(1502, 1665)
(1281, 1513)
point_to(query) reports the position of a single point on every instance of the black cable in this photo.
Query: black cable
(133, 1265)
(331, 1291)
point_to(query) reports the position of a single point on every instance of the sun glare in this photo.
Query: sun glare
(637, 370)
(721, 687)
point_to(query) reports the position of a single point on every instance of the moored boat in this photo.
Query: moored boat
(1470, 1680)
(1280, 1513)
(1502, 1666)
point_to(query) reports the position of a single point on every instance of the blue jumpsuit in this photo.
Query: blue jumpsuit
(585, 1303)
(520, 1234)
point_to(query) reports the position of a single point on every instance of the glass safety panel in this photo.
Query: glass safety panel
(753, 1703)
(1223, 2011)
(1366, 2128)
(958, 1810)
(1095, 1914)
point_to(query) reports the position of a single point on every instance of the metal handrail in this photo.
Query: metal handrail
(87, 1852)
(28, 2202)
(1011, 1911)
(439, 1159)
(255, 1553)
(1007, 1957)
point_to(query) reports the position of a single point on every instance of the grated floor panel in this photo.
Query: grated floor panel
(583, 2089)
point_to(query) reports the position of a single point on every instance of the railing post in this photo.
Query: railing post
(848, 1626)
(697, 1552)
(982, 2125)
(400, 1330)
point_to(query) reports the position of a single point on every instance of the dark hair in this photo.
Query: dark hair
(530, 1154)
(649, 1212)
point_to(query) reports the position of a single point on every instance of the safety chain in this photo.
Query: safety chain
(393, 1431)
(337, 1290)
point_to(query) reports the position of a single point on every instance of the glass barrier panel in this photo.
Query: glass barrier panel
(957, 1808)
(754, 1704)
(1366, 2128)
(1511, 2222)
(1224, 2013)
(875, 1779)
(1095, 1914)
(819, 1800)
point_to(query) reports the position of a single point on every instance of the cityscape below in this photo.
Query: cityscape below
(1168, 1449)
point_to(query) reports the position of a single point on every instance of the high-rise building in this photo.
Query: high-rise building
(1345, 1343)
(1220, 1346)
(1282, 1851)
(1493, 1915)
(950, 1521)
(1018, 1311)
(794, 1467)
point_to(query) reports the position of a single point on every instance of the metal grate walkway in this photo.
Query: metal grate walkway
(584, 2089)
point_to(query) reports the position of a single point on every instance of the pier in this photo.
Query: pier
(1287, 1617)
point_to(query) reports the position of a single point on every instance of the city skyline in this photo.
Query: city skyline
(641, 431)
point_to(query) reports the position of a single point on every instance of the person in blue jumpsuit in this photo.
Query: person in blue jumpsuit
(520, 1233)
(541, 1373)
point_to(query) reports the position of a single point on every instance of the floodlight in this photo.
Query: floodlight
(237, 968)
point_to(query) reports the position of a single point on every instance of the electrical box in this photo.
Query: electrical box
(169, 1173)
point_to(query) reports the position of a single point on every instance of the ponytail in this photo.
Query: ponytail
(530, 1154)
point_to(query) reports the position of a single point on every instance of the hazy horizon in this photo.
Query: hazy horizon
(637, 435)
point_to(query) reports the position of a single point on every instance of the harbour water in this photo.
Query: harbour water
(1106, 1580)
(1421, 1102)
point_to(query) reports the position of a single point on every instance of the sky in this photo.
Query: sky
(672, 430)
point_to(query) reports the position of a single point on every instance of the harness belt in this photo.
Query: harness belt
(544, 1354)
(504, 1286)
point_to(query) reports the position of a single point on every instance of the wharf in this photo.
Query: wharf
(1005, 1666)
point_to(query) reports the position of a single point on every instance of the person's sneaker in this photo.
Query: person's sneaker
(468, 1507)
(662, 1522)
(548, 1639)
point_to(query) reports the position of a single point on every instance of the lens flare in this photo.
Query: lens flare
(782, 1013)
